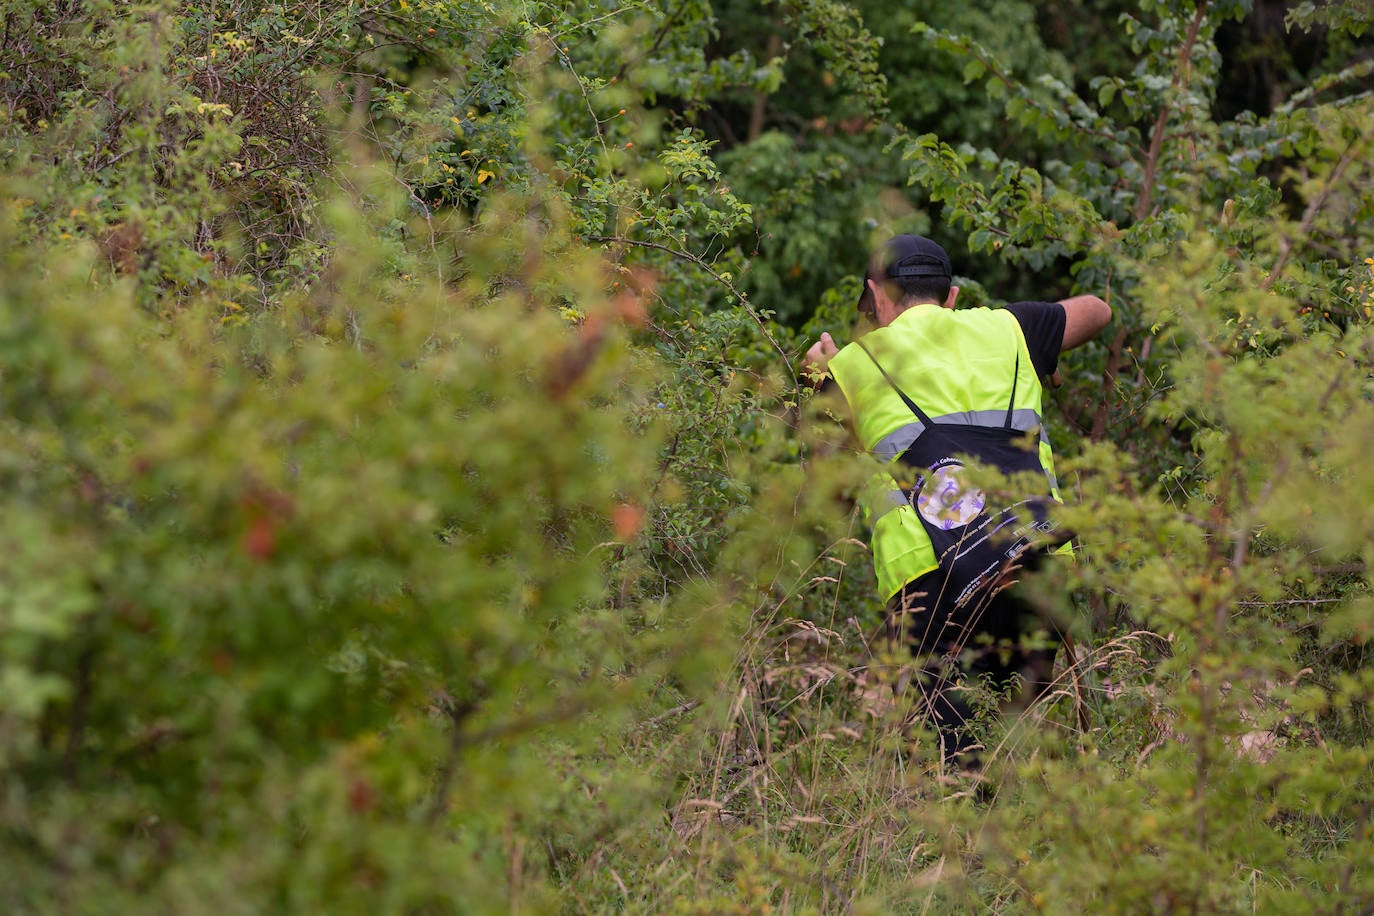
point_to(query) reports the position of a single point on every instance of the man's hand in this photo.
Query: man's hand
(818, 357)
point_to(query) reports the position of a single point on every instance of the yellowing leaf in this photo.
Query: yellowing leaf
(483, 175)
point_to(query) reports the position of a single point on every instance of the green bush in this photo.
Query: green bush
(411, 503)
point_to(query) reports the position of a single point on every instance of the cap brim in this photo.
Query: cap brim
(865, 305)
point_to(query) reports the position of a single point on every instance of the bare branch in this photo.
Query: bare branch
(1288, 245)
(739, 296)
(1145, 202)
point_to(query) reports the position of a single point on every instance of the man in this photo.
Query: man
(930, 388)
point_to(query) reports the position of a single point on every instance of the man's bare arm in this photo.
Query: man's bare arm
(1084, 319)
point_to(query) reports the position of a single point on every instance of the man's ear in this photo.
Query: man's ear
(953, 294)
(882, 303)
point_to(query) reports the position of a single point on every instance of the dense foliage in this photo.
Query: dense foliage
(411, 502)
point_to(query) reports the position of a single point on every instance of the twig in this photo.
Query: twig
(1145, 202)
(1287, 245)
(1140, 362)
(661, 717)
(581, 86)
(1289, 601)
(658, 39)
(1109, 373)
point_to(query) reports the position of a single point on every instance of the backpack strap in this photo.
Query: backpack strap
(911, 405)
(1015, 377)
(920, 414)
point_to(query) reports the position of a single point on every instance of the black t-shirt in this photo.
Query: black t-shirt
(1042, 324)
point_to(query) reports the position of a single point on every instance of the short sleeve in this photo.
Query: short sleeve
(1042, 324)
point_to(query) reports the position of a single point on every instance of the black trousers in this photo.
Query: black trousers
(984, 639)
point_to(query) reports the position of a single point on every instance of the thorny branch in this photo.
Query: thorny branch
(1310, 214)
(715, 274)
(1145, 202)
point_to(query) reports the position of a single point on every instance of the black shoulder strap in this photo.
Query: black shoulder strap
(920, 414)
(911, 405)
(1015, 377)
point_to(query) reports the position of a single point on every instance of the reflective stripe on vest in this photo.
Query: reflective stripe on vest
(898, 441)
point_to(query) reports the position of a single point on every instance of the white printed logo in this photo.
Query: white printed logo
(946, 500)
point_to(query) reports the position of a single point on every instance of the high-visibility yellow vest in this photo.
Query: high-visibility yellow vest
(959, 367)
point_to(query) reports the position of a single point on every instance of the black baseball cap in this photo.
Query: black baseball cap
(905, 257)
